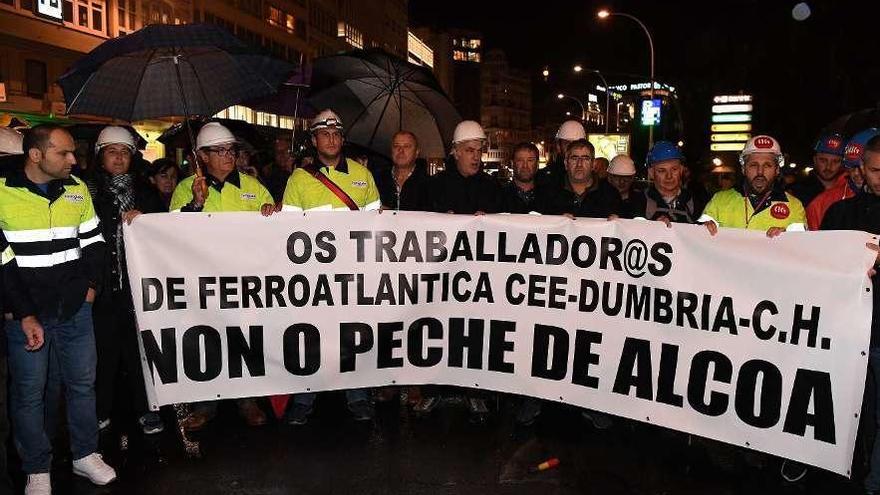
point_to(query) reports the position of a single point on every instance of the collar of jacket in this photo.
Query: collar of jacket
(683, 195)
(56, 186)
(317, 164)
(777, 194)
(233, 178)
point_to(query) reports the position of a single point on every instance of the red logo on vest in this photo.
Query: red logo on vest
(763, 142)
(780, 211)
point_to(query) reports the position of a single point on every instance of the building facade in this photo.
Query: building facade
(506, 108)
(36, 48)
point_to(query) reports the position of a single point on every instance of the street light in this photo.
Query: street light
(579, 102)
(579, 68)
(603, 14)
(716, 161)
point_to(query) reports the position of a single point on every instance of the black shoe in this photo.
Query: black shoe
(361, 410)
(298, 414)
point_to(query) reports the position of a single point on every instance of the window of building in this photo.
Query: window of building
(35, 78)
(87, 15)
(157, 12)
(352, 35)
(11, 3)
(126, 11)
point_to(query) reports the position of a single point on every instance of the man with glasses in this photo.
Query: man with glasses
(331, 182)
(221, 187)
(582, 194)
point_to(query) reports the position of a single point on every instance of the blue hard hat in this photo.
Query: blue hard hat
(830, 143)
(662, 151)
(855, 148)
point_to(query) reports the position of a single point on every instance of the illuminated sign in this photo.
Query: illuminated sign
(651, 112)
(731, 127)
(610, 145)
(727, 146)
(733, 99)
(641, 87)
(592, 98)
(731, 137)
(734, 108)
(731, 117)
(49, 9)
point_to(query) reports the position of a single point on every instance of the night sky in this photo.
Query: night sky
(803, 74)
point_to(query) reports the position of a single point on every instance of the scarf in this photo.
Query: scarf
(122, 189)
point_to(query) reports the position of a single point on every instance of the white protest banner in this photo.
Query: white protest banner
(753, 341)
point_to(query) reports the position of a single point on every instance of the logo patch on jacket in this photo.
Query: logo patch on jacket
(359, 183)
(780, 211)
(74, 197)
(248, 196)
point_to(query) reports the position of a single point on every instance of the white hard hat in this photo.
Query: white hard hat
(324, 119)
(622, 165)
(571, 130)
(113, 134)
(214, 133)
(10, 142)
(762, 144)
(468, 130)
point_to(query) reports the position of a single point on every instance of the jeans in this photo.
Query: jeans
(73, 342)
(352, 396)
(5, 482)
(872, 481)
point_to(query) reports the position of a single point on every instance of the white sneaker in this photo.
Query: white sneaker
(38, 484)
(95, 469)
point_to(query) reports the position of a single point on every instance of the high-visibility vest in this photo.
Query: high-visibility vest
(239, 192)
(56, 239)
(730, 208)
(305, 192)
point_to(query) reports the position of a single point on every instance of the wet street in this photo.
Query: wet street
(441, 454)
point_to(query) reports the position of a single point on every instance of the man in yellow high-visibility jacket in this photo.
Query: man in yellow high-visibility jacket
(760, 203)
(49, 220)
(354, 190)
(221, 188)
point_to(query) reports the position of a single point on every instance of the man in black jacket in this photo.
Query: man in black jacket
(119, 194)
(666, 199)
(518, 195)
(464, 187)
(582, 194)
(404, 185)
(862, 212)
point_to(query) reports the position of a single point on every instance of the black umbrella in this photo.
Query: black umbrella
(854, 122)
(176, 136)
(169, 70)
(377, 94)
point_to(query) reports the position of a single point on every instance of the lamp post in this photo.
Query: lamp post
(579, 102)
(578, 69)
(604, 14)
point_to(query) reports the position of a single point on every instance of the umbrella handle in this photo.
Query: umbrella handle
(189, 132)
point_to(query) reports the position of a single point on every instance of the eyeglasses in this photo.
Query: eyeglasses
(231, 152)
(579, 159)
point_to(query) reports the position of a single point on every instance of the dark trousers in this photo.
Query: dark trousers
(5, 482)
(120, 383)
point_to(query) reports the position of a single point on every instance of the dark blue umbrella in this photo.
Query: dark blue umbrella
(165, 70)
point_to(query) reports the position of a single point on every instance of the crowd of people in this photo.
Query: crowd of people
(70, 321)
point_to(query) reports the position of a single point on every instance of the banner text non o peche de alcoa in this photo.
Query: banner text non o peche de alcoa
(635, 373)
